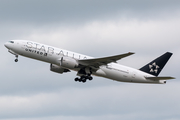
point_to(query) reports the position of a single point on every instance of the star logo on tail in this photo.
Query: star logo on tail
(154, 67)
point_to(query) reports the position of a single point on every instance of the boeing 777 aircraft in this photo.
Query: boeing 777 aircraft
(62, 61)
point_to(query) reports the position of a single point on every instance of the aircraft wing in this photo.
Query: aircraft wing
(96, 62)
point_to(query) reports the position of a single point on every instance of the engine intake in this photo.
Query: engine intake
(58, 69)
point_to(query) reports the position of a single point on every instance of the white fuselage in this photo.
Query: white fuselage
(53, 55)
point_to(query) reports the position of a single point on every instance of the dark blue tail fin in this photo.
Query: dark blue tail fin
(155, 67)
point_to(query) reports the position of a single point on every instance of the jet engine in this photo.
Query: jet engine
(68, 62)
(58, 69)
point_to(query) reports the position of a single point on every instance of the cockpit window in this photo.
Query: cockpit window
(11, 41)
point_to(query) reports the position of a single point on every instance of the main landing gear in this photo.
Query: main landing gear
(16, 60)
(85, 74)
(84, 78)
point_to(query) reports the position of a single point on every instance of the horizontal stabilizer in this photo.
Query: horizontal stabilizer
(159, 78)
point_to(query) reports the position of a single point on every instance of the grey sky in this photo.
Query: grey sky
(78, 11)
(29, 91)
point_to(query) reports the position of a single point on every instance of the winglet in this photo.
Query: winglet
(130, 53)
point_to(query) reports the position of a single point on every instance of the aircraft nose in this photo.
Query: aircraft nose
(6, 45)
(9, 44)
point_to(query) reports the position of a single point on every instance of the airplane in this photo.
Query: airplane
(63, 61)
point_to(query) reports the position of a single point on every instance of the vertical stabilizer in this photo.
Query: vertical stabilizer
(155, 67)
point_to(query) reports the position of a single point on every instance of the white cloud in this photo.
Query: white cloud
(102, 38)
(118, 35)
(126, 101)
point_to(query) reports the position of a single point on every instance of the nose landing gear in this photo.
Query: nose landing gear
(16, 55)
(16, 60)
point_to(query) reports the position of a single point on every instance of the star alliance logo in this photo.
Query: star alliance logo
(153, 67)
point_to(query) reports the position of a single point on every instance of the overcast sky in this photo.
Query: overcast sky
(29, 91)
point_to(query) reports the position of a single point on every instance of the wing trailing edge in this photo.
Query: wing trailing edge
(96, 62)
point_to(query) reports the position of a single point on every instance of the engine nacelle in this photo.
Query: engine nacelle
(68, 62)
(58, 69)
